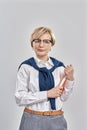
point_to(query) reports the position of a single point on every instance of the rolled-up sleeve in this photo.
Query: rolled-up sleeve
(67, 90)
(68, 87)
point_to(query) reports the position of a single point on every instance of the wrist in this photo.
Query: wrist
(48, 94)
(71, 78)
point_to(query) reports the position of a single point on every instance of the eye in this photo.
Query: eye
(47, 41)
(36, 40)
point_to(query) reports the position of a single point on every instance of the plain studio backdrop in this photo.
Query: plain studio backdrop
(67, 19)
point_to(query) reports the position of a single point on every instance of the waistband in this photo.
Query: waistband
(45, 113)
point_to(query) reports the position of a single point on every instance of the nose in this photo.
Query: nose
(41, 43)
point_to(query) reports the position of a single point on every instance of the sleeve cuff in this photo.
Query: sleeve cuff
(70, 84)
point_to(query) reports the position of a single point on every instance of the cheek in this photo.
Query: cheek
(49, 48)
(34, 47)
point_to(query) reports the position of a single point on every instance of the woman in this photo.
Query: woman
(39, 88)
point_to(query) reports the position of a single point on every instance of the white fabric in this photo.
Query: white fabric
(27, 87)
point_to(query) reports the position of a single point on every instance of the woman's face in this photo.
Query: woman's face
(42, 45)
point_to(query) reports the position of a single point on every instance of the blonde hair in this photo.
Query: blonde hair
(38, 32)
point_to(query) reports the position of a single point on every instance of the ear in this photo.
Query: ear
(32, 45)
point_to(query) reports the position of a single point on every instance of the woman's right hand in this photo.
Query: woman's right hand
(55, 92)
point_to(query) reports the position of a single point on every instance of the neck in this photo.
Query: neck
(43, 58)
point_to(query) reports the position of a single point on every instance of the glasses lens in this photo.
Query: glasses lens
(37, 40)
(47, 41)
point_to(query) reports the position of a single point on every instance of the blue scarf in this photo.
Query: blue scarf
(46, 79)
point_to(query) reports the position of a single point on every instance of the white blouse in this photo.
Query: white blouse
(27, 87)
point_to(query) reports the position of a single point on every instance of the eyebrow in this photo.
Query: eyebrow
(40, 39)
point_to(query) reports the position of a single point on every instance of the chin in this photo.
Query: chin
(41, 54)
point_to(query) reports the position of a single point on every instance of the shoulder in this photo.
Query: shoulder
(25, 63)
(57, 62)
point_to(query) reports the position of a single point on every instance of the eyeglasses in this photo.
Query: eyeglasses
(45, 41)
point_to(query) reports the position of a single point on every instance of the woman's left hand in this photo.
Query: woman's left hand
(69, 72)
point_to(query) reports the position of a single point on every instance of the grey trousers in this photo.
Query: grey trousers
(39, 122)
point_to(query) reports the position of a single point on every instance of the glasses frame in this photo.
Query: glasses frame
(45, 41)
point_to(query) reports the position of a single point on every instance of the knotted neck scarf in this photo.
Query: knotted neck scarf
(46, 79)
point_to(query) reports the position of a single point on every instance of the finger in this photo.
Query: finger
(67, 70)
(60, 87)
(60, 93)
(69, 66)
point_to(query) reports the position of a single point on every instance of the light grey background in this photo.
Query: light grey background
(67, 19)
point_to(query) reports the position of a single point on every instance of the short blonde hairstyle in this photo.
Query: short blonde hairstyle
(38, 32)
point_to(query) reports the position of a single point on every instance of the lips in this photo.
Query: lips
(41, 50)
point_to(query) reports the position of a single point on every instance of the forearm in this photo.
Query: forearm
(67, 90)
(28, 98)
